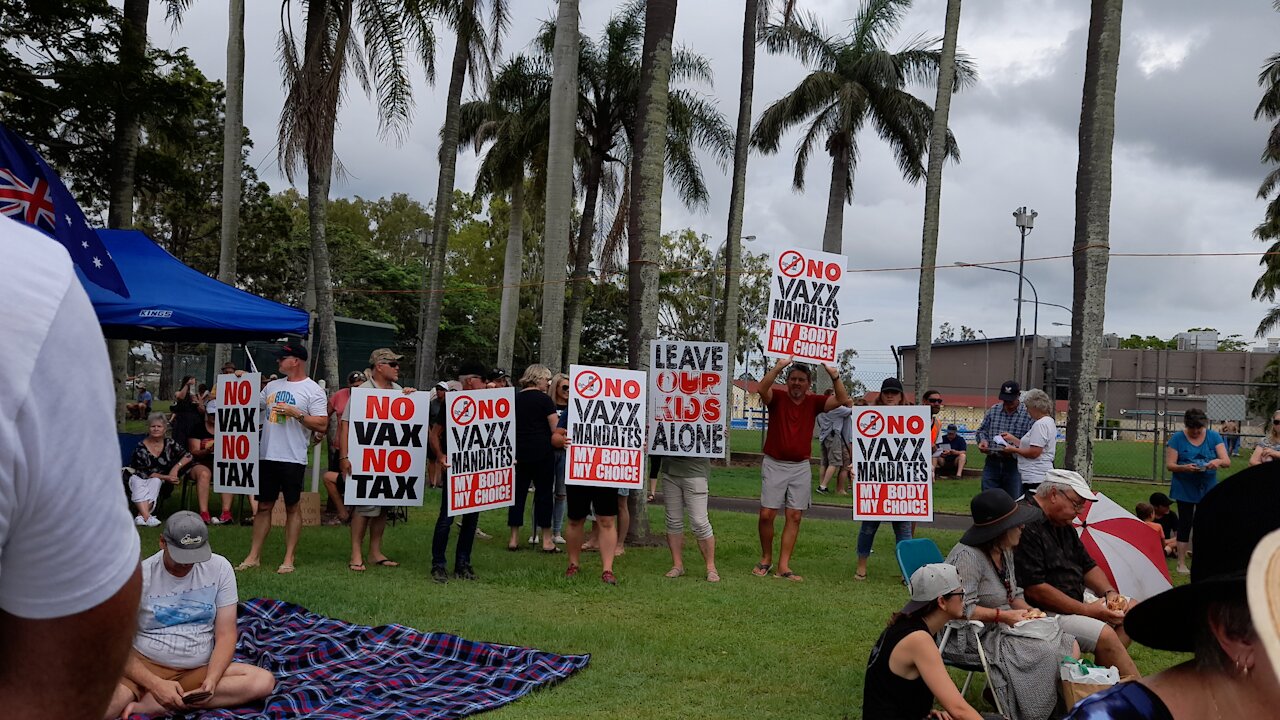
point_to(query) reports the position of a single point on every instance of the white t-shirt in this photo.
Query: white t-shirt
(175, 617)
(67, 541)
(1044, 434)
(284, 439)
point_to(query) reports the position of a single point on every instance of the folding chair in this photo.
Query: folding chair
(912, 555)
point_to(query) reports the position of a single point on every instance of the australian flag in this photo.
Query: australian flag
(32, 193)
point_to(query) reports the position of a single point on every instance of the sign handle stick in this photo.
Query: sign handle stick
(315, 469)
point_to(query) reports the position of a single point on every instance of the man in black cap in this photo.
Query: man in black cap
(497, 378)
(186, 639)
(470, 375)
(1168, 521)
(952, 450)
(1007, 416)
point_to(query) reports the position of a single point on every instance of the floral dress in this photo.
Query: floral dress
(145, 463)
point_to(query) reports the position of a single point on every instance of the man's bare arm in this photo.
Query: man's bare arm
(766, 382)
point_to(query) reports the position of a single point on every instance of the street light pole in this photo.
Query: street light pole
(1017, 374)
(1025, 221)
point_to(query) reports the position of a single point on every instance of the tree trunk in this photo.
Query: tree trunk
(833, 231)
(559, 190)
(124, 156)
(511, 275)
(433, 301)
(1093, 227)
(738, 189)
(232, 143)
(645, 221)
(933, 196)
(326, 329)
(582, 262)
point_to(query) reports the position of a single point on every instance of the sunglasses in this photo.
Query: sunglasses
(565, 388)
(391, 363)
(1275, 421)
(934, 401)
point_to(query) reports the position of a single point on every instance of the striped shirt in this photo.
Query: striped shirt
(998, 421)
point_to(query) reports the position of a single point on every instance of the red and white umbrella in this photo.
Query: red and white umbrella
(1127, 549)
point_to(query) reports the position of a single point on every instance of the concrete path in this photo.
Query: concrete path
(941, 521)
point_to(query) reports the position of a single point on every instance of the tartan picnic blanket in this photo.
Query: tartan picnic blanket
(327, 668)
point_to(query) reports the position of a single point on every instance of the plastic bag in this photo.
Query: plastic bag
(1045, 628)
(1081, 678)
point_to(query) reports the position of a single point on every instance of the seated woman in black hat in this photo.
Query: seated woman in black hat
(905, 671)
(1023, 658)
(1231, 675)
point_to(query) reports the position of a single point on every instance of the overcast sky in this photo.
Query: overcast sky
(1185, 174)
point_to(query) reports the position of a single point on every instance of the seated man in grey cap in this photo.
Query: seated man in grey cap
(1054, 569)
(186, 638)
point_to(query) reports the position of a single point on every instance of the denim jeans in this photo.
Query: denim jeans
(558, 507)
(867, 534)
(1002, 472)
(440, 540)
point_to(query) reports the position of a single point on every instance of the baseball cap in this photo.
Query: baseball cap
(1010, 391)
(952, 428)
(442, 385)
(495, 374)
(291, 350)
(355, 376)
(1071, 479)
(187, 538)
(471, 368)
(211, 406)
(891, 385)
(930, 582)
(1159, 499)
(382, 355)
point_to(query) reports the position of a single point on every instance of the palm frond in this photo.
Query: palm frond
(876, 23)
(821, 126)
(1269, 322)
(815, 91)
(806, 39)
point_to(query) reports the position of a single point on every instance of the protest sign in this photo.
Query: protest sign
(688, 398)
(235, 441)
(606, 427)
(387, 447)
(480, 426)
(892, 463)
(805, 302)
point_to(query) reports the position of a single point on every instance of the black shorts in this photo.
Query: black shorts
(333, 460)
(276, 478)
(580, 499)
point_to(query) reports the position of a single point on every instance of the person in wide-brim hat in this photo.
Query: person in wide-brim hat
(995, 513)
(1228, 628)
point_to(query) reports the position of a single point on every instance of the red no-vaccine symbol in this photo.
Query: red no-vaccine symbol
(588, 384)
(463, 410)
(870, 423)
(791, 263)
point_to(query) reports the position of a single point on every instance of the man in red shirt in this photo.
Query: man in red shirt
(786, 477)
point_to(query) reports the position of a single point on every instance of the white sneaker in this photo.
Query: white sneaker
(153, 521)
(137, 520)
(558, 540)
(482, 535)
(533, 539)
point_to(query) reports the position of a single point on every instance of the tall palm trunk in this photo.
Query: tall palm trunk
(582, 262)
(232, 143)
(433, 301)
(833, 231)
(738, 188)
(511, 275)
(124, 156)
(1093, 228)
(317, 212)
(645, 226)
(933, 195)
(559, 190)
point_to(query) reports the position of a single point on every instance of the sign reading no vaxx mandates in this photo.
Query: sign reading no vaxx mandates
(481, 430)
(387, 447)
(892, 463)
(688, 398)
(805, 304)
(606, 427)
(235, 442)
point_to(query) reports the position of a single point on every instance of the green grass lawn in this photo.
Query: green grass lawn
(745, 648)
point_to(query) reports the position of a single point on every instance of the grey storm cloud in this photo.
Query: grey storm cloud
(1185, 172)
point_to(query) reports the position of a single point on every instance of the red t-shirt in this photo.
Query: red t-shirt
(790, 435)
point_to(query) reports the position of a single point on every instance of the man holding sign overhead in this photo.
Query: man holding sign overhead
(785, 471)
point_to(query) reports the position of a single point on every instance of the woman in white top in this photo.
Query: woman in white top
(1268, 447)
(1035, 450)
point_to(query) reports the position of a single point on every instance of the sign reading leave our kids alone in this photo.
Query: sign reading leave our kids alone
(606, 426)
(805, 303)
(387, 447)
(893, 463)
(688, 398)
(235, 443)
(481, 429)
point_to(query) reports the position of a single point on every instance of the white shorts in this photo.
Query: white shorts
(785, 484)
(1086, 630)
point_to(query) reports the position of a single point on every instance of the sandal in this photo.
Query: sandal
(713, 576)
(284, 569)
(675, 572)
(761, 569)
(553, 550)
(788, 575)
(246, 565)
(386, 562)
(355, 567)
(859, 576)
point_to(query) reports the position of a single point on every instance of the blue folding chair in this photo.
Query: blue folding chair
(916, 553)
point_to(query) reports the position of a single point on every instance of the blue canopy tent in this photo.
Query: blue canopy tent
(170, 302)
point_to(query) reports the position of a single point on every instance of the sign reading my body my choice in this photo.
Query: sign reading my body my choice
(892, 462)
(688, 398)
(805, 302)
(387, 447)
(235, 445)
(481, 429)
(606, 426)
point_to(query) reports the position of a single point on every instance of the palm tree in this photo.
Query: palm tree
(1093, 228)
(609, 81)
(933, 196)
(472, 52)
(514, 121)
(559, 197)
(332, 49)
(232, 147)
(1269, 228)
(854, 80)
